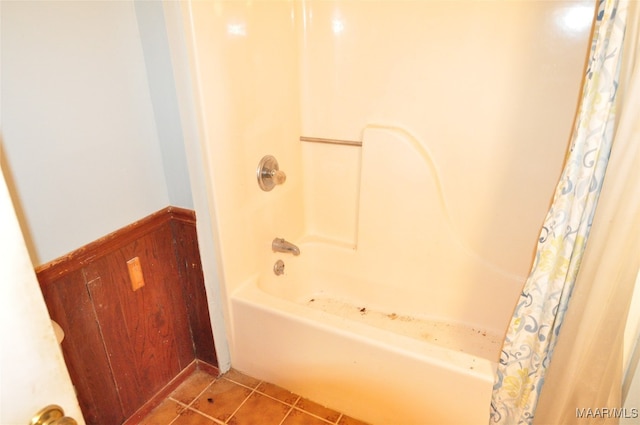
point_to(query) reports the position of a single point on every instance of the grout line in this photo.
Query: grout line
(217, 421)
(195, 409)
(287, 415)
(189, 406)
(243, 401)
(241, 384)
(292, 406)
(183, 407)
(281, 401)
(316, 416)
(195, 398)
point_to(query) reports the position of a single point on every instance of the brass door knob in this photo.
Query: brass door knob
(52, 415)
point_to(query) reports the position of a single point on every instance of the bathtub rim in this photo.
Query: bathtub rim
(329, 251)
(249, 293)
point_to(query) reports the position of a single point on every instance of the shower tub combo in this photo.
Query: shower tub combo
(402, 325)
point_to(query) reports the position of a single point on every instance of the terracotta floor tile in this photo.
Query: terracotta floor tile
(318, 410)
(164, 413)
(192, 387)
(277, 392)
(260, 409)
(238, 399)
(221, 399)
(298, 417)
(191, 417)
(241, 378)
(346, 420)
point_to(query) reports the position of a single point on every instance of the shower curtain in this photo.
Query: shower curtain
(533, 331)
(587, 368)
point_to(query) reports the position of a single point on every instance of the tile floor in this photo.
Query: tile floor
(238, 399)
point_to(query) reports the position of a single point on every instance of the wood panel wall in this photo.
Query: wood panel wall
(121, 345)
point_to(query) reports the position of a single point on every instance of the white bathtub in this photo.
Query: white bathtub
(397, 320)
(349, 344)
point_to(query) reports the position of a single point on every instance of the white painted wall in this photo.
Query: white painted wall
(91, 132)
(32, 370)
(201, 183)
(162, 87)
(92, 129)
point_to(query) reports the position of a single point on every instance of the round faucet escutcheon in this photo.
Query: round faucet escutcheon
(278, 268)
(269, 174)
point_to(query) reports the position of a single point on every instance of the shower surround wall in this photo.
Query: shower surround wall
(245, 63)
(474, 101)
(488, 88)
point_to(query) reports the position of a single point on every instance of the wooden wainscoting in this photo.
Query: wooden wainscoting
(122, 346)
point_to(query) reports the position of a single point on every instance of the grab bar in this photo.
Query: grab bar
(331, 141)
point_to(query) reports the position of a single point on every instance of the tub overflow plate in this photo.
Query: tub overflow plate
(278, 268)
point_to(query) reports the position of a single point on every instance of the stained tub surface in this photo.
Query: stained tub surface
(318, 335)
(400, 323)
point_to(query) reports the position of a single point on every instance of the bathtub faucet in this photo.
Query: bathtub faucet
(280, 245)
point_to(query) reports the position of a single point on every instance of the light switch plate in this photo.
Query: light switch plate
(135, 273)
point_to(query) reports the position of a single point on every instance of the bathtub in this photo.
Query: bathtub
(320, 332)
(396, 320)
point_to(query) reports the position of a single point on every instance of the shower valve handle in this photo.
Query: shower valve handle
(269, 174)
(278, 176)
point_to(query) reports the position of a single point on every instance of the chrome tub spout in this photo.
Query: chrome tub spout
(280, 245)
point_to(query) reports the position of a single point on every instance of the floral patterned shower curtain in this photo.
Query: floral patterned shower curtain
(534, 327)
